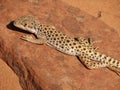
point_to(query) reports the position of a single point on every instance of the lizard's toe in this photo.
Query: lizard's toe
(26, 37)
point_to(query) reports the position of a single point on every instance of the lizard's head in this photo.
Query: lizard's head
(27, 23)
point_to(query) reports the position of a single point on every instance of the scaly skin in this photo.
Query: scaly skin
(83, 48)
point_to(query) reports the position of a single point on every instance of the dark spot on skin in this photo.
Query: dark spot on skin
(95, 53)
(76, 39)
(62, 47)
(74, 43)
(97, 58)
(86, 42)
(106, 62)
(92, 55)
(76, 47)
(93, 65)
(40, 25)
(72, 47)
(113, 61)
(98, 63)
(51, 31)
(48, 35)
(70, 44)
(71, 51)
(86, 54)
(77, 50)
(67, 49)
(89, 51)
(45, 28)
(84, 48)
(104, 57)
(58, 38)
(59, 41)
(109, 60)
(100, 55)
(54, 38)
(117, 63)
(65, 44)
(55, 31)
(68, 41)
(44, 32)
(79, 46)
(25, 25)
(50, 41)
(56, 34)
(83, 52)
(31, 23)
(62, 37)
(30, 26)
(35, 27)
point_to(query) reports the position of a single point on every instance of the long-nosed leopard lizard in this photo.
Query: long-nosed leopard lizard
(78, 47)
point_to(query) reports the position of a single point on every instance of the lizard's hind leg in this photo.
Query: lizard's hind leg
(92, 64)
(87, 42)
(95, 64)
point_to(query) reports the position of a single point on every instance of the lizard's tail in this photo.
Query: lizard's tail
(106, 61)
(104, 58)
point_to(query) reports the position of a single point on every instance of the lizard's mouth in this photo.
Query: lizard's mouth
(24, 27)
(18, 25)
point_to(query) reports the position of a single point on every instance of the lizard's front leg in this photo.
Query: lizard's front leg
(32, 40)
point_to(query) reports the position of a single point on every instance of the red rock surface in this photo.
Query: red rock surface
(8, 79)
(109, 9)
(40, 67)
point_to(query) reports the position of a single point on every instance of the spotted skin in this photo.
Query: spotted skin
(81, 47)
(93, 65)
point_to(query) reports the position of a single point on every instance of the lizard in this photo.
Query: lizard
(81, 47)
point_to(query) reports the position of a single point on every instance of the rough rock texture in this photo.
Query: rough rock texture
(8, 79)
(107, 10)
(40, 67)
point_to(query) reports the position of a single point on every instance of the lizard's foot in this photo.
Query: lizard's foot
(115, 69)
(26, 38)
(91, 41)
(32, 40)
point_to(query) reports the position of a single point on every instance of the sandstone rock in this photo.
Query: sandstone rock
(40, 67)
(8, 79)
